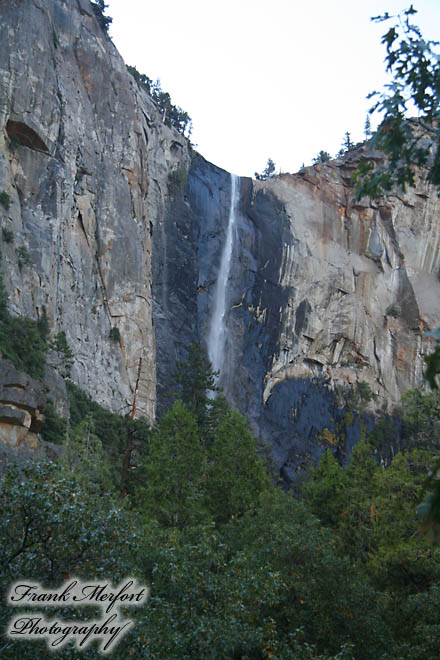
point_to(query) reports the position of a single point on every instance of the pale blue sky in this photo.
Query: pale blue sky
(283, 78)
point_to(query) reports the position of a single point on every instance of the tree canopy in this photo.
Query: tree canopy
(268, 171)
(104, 21)
(172, 115)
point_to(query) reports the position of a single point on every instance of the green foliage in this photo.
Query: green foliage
(359, 397)
(172, 115)
(433, 367)
(392, 310)
(61, 346)
(268, 171)
(367, 128)
(237, 568)
(193, 380)
(41, 508)
(269, 585)
(111, 430)
(24, 258)
(322, 591)
(51, 528)
(400, 561)
(115, 335)
(7, 235)
(384, 434)
(413, 64)
(107, 426)
(54, 427)
(236, 476)
(174, 470)
(322, 157)
(84, 458)
(21, 341)
(5, 200)
(421, 418)
(347, 144)
(141, 79)
(217, 409)
(104, 21)
(14, 142)
(372, 510)
(326, 492)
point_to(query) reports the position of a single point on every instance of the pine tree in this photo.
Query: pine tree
(174, 470)
(347, 144)
(99, 8)
(322, 157)
(193, 380)
(326, 490)
(236, 475)
(268, 171)
(367, 128)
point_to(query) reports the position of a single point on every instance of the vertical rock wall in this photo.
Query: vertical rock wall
(85, 159)
(325, 292)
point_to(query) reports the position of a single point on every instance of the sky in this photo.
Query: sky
(261, 79)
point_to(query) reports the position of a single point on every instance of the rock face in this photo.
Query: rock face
(85, 159)
(324, 292)
(22, 401)
(116, 223)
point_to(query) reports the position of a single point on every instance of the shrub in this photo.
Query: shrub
(54, 427)
(172, 115)
(24, 258)
(115, 335)
(14, 142)
(21, 340)
(8, 235)
(99, 8)
(392, 310)
(61, 346)
(5, 199)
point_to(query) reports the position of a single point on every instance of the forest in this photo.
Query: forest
(237, 566)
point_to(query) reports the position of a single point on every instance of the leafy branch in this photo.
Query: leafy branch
(407, 144)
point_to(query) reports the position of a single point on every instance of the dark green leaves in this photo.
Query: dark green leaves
(433, 367)
(104, 21)
(415, 87)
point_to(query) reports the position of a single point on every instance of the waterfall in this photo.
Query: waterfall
(218, 328)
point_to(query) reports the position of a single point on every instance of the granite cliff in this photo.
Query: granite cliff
(124, 226)
(85, 160)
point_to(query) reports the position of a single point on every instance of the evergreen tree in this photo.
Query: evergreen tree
(326, 490)
(347, 144)
(193, 380)
(174, 470)
(322, 157)
(421, 419)
(172, 115)
(268, 171)
(367, 128)
(104, 21)
(236, 475)
(217, 410)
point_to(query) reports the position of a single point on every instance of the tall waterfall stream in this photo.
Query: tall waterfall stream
(218, 326)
